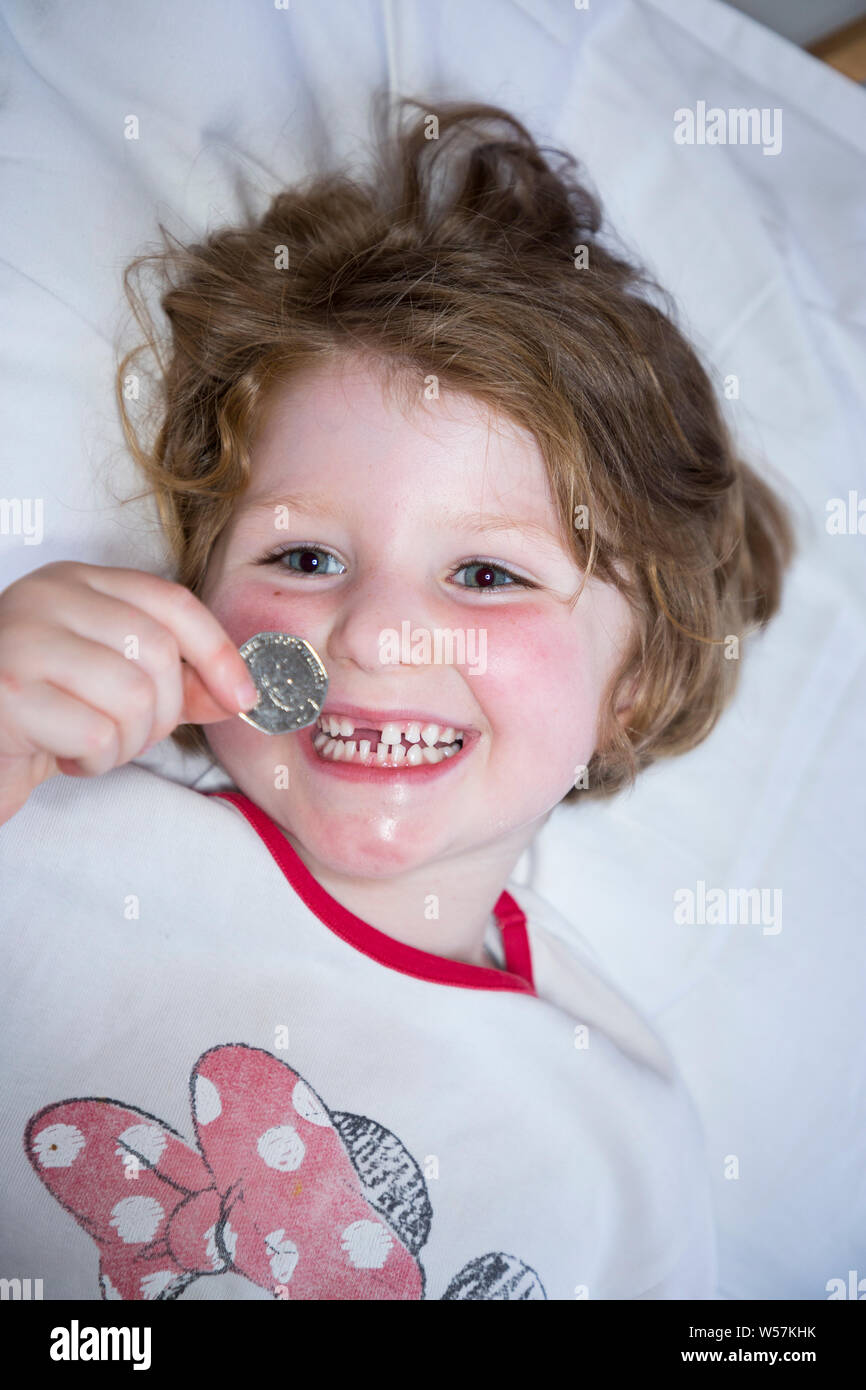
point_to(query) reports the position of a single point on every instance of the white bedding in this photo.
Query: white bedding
(765, 255)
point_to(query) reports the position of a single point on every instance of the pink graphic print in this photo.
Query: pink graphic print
(305, 1202)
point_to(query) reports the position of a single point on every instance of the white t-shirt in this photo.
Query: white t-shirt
(220, 1083)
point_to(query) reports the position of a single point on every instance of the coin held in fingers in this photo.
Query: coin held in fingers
(291, 680)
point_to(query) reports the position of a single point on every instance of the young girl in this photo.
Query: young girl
(303, 1038)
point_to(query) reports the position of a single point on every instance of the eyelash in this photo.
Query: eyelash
(277, 555)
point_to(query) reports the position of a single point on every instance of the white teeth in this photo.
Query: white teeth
(334, 742)
(386, 754)
(389, 751)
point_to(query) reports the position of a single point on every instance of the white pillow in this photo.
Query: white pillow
(764, 254)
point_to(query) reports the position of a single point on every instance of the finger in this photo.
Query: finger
(51, 720)
(199, 706)
(120, 627)
(95, 675)
(201, 639)
(69, 767)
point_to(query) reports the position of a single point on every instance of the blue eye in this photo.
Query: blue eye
(313, 565)
(487, 568)
(310, 552)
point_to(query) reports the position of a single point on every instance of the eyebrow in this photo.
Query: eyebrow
(307, 505)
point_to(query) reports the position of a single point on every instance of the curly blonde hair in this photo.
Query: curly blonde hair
(473, 257)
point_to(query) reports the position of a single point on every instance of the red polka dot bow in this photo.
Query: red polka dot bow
(271, 1192)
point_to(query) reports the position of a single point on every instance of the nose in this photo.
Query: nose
(374, 611)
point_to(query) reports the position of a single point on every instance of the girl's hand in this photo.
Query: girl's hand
(73, 701)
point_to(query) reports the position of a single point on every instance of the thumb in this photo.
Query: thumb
(199, 705)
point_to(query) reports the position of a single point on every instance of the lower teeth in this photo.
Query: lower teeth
(386, 755)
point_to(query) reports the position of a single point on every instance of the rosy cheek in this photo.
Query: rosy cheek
(246, 611)
(535, 678)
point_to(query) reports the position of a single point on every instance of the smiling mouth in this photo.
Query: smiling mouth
(403, 743)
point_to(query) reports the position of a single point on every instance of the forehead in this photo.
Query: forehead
(344, 429)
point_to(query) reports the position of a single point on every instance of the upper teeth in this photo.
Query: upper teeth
(338, 726)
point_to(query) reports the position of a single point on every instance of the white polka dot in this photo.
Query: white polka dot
(281, 1148)
(367, 1244)
(206, 1101)
(284, 1255)
(308, 1105)
(147, 1141)
(109, 1292)
(136, 1219)
(58, 1146)
(152, 1285)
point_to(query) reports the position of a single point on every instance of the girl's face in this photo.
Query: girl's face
(436, 523)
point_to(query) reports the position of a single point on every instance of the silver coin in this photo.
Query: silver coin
(291, 680)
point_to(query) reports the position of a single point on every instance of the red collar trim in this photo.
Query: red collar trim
(424, 965)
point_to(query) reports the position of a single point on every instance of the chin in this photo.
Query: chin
(357, 850)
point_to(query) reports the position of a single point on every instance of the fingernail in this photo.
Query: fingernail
(246, 694)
